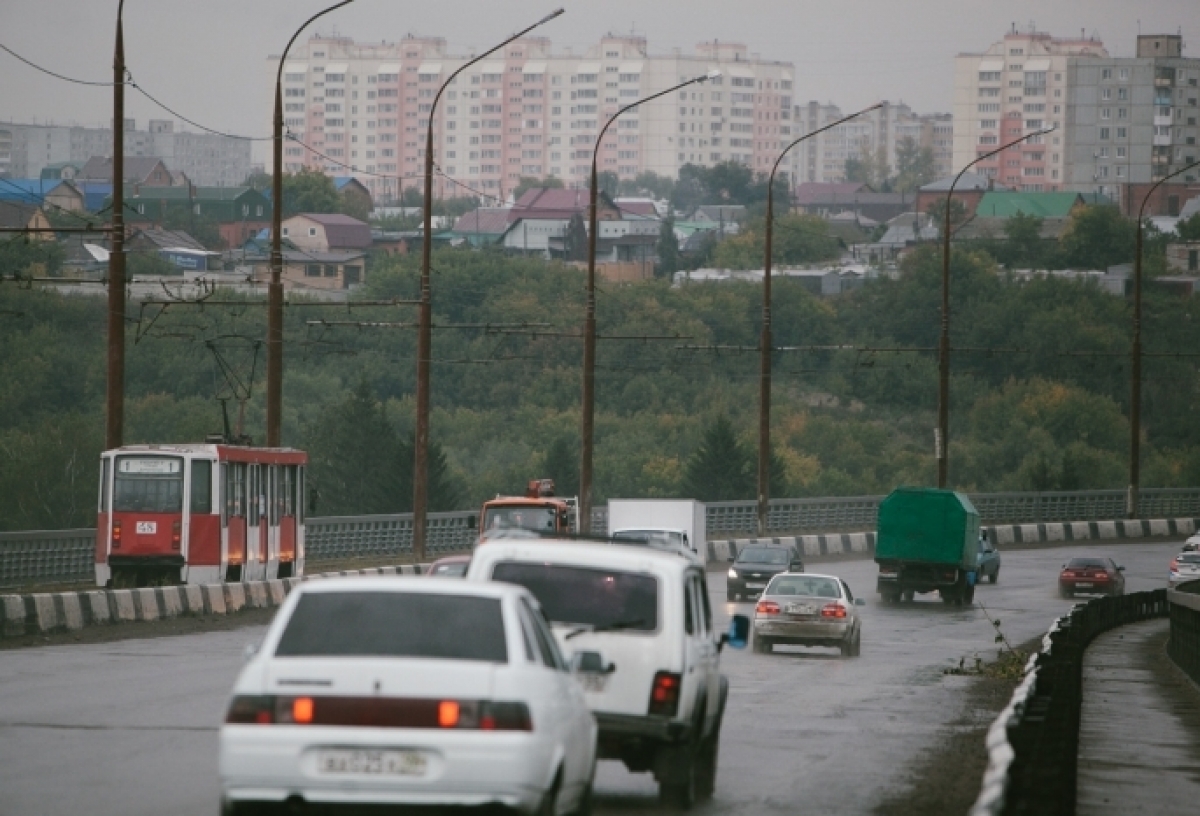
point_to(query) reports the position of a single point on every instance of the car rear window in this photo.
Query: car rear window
(1188, 558)
(809, 587)
(1087, 563)
(586, 596)
(395, 624)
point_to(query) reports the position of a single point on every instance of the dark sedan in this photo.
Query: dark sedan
(1091, 575)
(756, 566)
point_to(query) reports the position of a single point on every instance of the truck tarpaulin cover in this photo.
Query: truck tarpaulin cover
(927, 524)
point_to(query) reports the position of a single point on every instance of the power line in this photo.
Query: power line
(34, 65)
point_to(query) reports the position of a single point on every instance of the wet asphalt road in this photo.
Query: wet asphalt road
(130, 728)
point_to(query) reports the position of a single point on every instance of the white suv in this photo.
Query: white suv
(636, 623)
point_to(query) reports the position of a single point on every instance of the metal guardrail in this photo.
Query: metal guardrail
(61, 556)
(1033, 746)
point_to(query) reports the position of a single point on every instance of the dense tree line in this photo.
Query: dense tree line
(1039, 393)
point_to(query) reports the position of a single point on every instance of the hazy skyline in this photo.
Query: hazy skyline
(207, 59)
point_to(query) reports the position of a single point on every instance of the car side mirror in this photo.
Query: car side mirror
(1120, 569)
(739, 632)
(588, 662)
(860, 601)
(796, 566)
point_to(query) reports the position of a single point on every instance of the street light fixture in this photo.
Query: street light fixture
(425, 320)
(942, 440)
(587, 425)
(1135, 376)
(764, 392)
(275, 288)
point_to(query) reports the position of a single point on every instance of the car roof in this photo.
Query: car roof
(453, 559)
(630, 555)
(409, 583)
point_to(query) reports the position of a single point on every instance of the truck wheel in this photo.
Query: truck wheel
(947, 596)
(907, 596)
(680, 792)
(968, 596)
(706, 760)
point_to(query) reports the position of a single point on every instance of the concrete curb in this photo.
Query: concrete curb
(1001, 535)
(43, 613)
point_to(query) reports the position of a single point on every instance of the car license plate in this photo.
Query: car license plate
(147, 527)
(372, 763)
(1081, 585)
(800, 609)
(592, 682)
(750, 585)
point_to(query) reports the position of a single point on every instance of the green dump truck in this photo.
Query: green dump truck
(926, 540)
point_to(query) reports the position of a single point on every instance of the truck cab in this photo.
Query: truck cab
(539, 511)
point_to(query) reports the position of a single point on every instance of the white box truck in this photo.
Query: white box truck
(680, 520)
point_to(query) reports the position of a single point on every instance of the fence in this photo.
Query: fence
(1184, 645)
(61, 556)
(1033, 745)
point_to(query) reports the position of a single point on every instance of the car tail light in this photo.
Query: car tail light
(175, 535)
(1101, 576)
(664, 694)
(766, 608)
(1068, 574)
(116, 533)
(1174, 565)
(833, 610)
(380, 712)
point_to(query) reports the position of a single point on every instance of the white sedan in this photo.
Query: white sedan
(403, 691)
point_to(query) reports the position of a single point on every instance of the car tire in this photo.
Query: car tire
(762, 645)
(1063, 592)
(680, 792)
(994, 577)
(584, 806)
(847, 646)
(857, 644)
(706, 760)
(549, 804)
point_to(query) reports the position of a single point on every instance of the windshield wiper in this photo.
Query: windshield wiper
(610, 627)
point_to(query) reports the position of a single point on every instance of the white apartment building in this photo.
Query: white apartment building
(1018, 85)
(364, 109)
(207, 159)
(823, 158)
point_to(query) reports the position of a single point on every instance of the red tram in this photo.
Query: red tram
(199, 514)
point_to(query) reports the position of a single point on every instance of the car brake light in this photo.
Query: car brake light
(1068, 574)
(766, 608)
(116, 533)
(175, 535)
(833, 610)
(377, 712)
(664, 694)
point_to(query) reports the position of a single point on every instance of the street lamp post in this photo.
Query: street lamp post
(114, 403)
(764, 391)
(425, 319)
(587, 424)
(275, 288)
(942, 441)
(1135, 373)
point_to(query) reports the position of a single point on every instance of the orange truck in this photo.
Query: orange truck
(539, 510)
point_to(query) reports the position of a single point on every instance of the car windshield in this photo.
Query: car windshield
(809, 586)
(521, 517)
(395, 624)
(148, 484)
(1087, 563)
(598, 598)
(453, 569)
(763, 555)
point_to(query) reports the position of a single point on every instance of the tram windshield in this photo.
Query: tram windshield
(148, 484)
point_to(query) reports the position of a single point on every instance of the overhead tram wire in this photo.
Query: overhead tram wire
(37, 67)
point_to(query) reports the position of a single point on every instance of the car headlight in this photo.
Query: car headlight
(732, 573)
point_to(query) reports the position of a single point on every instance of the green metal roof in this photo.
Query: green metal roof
(1043, 205)
(182, 193)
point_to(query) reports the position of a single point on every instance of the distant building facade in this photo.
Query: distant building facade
(206, 159)
(363, 109)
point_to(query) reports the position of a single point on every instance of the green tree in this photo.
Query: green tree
(868, 168)
(648, 183)
(914, 165)
(575, 242)
(608, 182)
(667, 250)
(561, 463)
(1189, 229)
(1097, 237)
(958, 214)
(309, 191)
(526, 183)
(1025, 246)
(720, 469)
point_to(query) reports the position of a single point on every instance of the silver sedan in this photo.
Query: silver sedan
(808, 610)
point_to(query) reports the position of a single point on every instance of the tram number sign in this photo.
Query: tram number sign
(147, 527)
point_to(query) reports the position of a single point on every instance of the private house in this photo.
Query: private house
(480, 227)
(850, 200)
(1184, 256)
(313, 271)
(969, 190)
(997, 207)
(141, 171)
(354, 193)
(324, 232)
(18, 215)
(238, 212)
(543, 213)
(176, 247)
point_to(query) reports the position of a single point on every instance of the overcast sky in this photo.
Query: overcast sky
(207, 58)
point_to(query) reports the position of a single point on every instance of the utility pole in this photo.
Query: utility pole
(114, 407)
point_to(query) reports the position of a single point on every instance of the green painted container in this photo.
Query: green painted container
(927, 525)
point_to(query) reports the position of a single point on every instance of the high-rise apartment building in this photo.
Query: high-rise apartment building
(363, 109)
(872, 136)
(207, 159)
(1121, 121)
